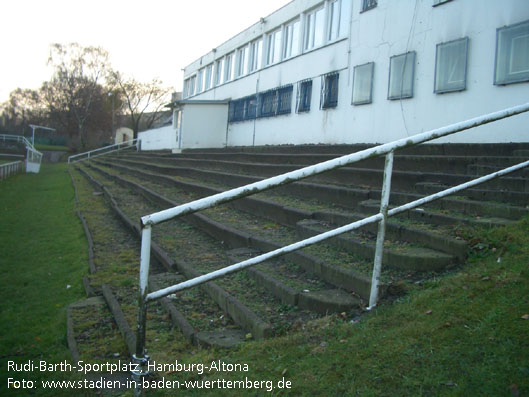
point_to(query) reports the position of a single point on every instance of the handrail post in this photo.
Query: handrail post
(140, 358)
(379, 252)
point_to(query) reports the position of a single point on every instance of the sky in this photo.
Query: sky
(145, 39)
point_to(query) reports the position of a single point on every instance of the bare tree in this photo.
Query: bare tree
(141, 101)
(22, 108)
(79, 73)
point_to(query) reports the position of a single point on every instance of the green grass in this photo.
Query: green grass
(461, 333)
(42, 250)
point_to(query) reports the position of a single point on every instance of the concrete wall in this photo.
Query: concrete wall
(203, 125)
(158, 138)
(391, 28)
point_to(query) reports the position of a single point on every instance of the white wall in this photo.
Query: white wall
(392, 28)
(158, 138)
(203, 125)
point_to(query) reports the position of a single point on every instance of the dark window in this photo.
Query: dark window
(250, 107)
(368, 4)
(304, 96)
(242, 109)
(268, 103)
(329, 90)
(284, 99)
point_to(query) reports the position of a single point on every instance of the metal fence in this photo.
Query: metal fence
(148, 221)
(33, 156)
(9, 169)
(133, 143)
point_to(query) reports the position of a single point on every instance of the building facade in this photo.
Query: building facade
(367, 71)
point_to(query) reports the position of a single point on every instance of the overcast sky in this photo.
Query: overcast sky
(145, 39)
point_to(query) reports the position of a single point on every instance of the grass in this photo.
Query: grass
(43, 256)
(59, 148)
(461, 333)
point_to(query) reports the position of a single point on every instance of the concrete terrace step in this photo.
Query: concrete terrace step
(332, 194)
(281, 211)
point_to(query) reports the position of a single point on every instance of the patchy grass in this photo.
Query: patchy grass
(461, 333)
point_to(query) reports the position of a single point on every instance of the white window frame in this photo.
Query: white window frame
(310, 34)
(407, 72)
(361, 72)
(219, 72)
(200, 81)
(505, 41)
(292, 39)
(273, 48)
(242, 61)
(228, 67)
(256, 55)
(338, 19)
(443, 81)
(208, 76)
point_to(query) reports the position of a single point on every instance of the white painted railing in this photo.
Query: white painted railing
(148, 221)
(33, 156)
(133, 143)
(9, 169)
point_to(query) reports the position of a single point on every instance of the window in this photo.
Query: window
(329, 90)
(219, 71)
(512, 54)
(200, 81)
(291, 39)
(209, 75)
(189, 86)
(284, 99)
(368, 4)
(228, 67)
(274, 47)
(314, 29)
(256, 54)
(276, 101)
(242, 61)
(242, 109)
(363, 84)
(339, 13)
(451, 66)
(304, 96)
(401, 70)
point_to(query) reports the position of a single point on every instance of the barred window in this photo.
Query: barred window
(268, 103)
(242, 109)
(329, 90)
(284, 99)
(304, 96)
(250, 107)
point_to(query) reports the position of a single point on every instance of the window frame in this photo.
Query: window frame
(242, 61)
(208, 77)
(456, 88)
(506, 63)
(309, 34)
(274, 48)
(391, 59)
(291, 43)
(329, 90)
(228, 67)
(256, 55)
(304, 96)
(357, 68)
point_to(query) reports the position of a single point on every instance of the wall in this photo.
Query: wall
(391, 28)
(203, 125)
(158, 138)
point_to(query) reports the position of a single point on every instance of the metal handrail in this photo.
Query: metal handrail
(33, 156)
(107, 150)
(388, 149)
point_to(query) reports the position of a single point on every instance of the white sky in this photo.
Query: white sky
(145, 39)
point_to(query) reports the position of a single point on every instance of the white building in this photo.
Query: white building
(362, 71)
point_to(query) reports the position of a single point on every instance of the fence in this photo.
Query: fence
(133, 143)
(148, 221)
(33, 156)
(9, 169)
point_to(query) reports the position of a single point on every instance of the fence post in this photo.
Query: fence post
(140, 358)
(379, 252)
